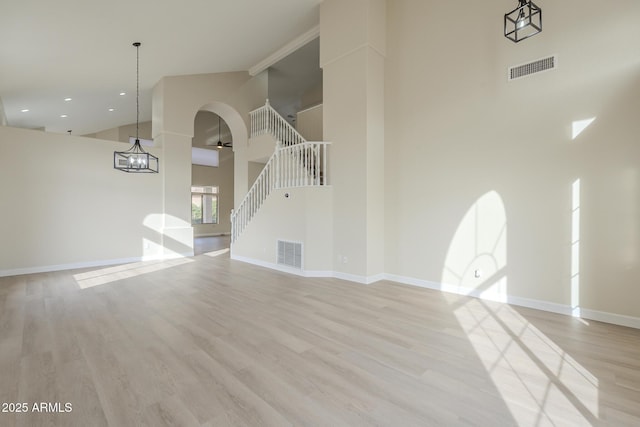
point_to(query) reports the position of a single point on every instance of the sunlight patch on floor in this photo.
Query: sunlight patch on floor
(111, 274)
(540, 383)
(214, 254)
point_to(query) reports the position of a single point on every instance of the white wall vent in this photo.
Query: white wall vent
(544, 64)
(290, 254)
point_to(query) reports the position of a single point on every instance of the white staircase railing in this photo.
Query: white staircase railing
(267, 120)
(300, 165)
(295, 163)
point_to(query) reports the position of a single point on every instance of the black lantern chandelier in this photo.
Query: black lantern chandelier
(136, 159)
(523, 22)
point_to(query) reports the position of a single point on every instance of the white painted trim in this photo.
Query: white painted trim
(281, 268)
(310, 273)
(349, 277)
(600, 316)
(616, 319)
(285, 50)
(551, 307)
(89, 264)
(224, 233)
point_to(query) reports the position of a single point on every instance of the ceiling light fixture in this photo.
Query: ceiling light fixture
(523, 22)
(67, 99)
(24, 110)
(63, 116)
(123, 93)
(221, 144)
(136, 159)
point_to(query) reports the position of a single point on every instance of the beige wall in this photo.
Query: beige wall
(304, 217)
(260, 149)
(311, 97)
(176, 101)
(3, 116)
(67, 207)
(205, 133)
(255, 168)
(222, 177)
(457, 131)
(352, 59)
(309, 123)
(122, 133)
(112, 134)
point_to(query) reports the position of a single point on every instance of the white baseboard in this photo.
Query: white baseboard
(600, 316)
(88, 264)
(226, 233)
(365, 280)
(616, 319)
(281, 268)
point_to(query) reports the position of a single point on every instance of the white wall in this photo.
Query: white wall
(352, 58)
(63, 204)
(122, 133)
(304, 216)
(232, 96)
(456, 130)
(255, 169)
(3, 116)
(309, 123)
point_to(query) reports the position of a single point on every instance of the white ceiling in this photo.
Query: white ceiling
(82, 49)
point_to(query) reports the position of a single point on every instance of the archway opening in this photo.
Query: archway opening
(218, 131)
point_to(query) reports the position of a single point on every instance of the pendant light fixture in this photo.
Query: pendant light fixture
(523, 22)
(135, 159)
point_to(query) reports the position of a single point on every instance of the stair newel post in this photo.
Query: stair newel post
(231, 219)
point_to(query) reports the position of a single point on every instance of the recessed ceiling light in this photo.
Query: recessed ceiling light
(64, 116)
(112, 109)
(25, 110)
(67, 99)
(123, 93)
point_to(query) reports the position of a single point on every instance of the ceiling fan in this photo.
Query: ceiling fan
(221, 144)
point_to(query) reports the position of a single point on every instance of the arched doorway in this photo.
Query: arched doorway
(218, 132)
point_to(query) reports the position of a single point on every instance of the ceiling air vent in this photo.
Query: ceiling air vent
(290, 254)
(534, 67)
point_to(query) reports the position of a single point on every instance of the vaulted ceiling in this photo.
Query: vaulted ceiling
(82, 50)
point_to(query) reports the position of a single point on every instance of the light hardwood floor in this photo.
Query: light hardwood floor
(207, 341)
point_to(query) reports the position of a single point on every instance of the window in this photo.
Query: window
(204, 205)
